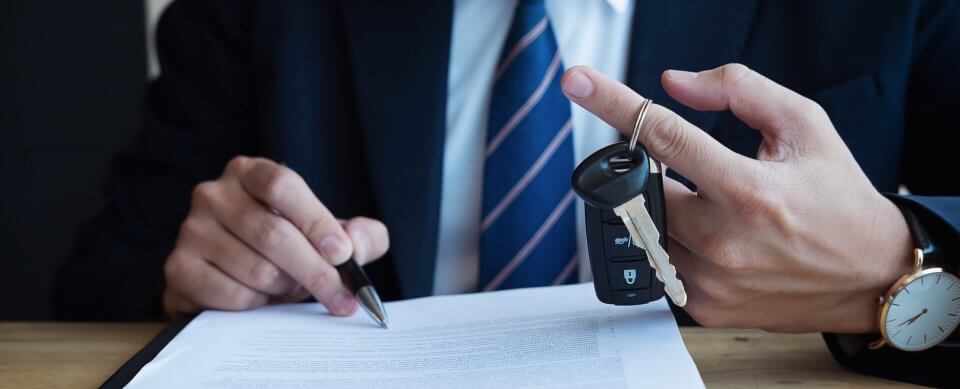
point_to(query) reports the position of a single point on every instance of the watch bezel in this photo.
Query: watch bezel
(891, 295)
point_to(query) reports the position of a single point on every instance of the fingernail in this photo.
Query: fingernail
(681, 75)
(578, 85)
(334, 249)
(342, 303)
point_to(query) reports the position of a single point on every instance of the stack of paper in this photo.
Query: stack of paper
(539, 337)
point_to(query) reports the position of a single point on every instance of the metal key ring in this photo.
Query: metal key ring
(636, 127)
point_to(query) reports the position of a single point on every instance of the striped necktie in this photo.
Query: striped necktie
(528, 235)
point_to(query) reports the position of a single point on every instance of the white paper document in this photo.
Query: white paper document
(538, 337)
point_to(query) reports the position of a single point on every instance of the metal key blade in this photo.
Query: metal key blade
(646, 236)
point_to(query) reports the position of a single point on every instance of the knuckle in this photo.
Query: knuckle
(734, 74)
(804, 113)
(755, 206)
(271, 232)
(279, 182)
(320, 280)
(732, 264)
(192, 227)
(173, 267)
(733, 178)
(204, 193)
(811, 109)
(765, 207)
(666, 136)
(236, 164)
(317, 225)
(240, 298)
(264, 274)
(724, 253)
(714, 246)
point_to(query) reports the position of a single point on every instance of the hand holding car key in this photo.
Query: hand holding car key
(616, 177)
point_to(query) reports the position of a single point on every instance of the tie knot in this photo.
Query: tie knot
(538, 3)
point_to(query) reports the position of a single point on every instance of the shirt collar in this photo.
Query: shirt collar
(620, 6)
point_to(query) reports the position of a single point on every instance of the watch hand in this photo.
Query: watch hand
(913, 319)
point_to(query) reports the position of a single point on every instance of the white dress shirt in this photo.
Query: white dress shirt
(588, 32)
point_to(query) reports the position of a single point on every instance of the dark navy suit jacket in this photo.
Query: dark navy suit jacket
(351, 94)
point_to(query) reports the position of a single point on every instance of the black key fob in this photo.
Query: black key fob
(621, 273)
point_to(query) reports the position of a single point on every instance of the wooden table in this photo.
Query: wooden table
(71, 355)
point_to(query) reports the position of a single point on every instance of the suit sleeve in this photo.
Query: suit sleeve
(198, 115)
(929, 173)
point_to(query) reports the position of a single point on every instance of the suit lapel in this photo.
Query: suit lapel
(399, 54)
(686, 35)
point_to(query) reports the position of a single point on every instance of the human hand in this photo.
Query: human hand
(258, 234)
(796, 240)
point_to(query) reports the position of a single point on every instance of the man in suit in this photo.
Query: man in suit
(446, 132)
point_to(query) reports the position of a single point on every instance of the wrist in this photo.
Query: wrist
(888, 257)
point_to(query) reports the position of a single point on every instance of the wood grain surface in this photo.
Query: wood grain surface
(83, 355)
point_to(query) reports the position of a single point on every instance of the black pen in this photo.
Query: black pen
(356, 280)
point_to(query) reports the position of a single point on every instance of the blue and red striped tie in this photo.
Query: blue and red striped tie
(528, 230)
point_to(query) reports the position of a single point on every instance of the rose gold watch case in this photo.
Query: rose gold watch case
(887, 299)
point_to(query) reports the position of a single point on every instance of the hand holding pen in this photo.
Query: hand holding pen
(234, 252)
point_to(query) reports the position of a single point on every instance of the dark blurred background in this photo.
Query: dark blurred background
(72, 76)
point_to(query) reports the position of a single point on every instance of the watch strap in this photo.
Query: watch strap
(919, 234)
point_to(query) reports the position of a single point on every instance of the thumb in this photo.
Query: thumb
(667, 136)
(788, 121)
(369, 236)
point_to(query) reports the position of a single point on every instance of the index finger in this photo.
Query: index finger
(283, 190)
(666, 136)
(782, 115)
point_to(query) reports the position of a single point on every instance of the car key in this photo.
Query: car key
(621, 271)
(616, 177)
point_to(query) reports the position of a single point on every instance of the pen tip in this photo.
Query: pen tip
(371, 303)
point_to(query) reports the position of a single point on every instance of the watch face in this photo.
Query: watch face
(924, 312)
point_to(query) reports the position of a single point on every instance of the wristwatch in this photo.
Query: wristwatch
(923, 307)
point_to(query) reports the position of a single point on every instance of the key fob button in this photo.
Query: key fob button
(618, 243)
(641, 257)
(631, 297)
(629, 275)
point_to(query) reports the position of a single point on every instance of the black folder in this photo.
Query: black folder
(125, 373)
